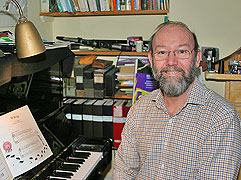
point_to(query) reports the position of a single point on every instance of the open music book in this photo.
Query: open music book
(22, 145)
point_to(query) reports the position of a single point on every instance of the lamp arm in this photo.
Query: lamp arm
(19, 7)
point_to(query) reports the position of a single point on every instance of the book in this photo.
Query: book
(45, 5)
(59, 5)
(122, 5)
(68, 5)
(98, 5)
(101, 63)
(128, 5)
(83, 5)
(117, 5)
(72, 6)
(63, 4)
(127, 69)
(76, 5)
(23, 146)
(144, 81)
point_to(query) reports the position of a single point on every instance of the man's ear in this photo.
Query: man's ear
(199, 57)
(150, 58)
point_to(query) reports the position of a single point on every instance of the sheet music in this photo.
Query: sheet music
(5, 173)
(22, 143)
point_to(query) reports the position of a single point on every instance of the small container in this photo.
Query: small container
(139, 45)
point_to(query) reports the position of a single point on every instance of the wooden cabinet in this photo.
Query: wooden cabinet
(232, 87)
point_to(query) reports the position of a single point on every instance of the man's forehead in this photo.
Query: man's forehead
(174, 28)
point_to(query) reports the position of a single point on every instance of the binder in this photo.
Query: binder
(118, 121)
(99, 81)
(127, 107)
(69, 87)
(88, 118)
(77, 115)
(99, 76)
(68, 111)
(110, 85)
(108, 118)
(79, 75)
(98, 118)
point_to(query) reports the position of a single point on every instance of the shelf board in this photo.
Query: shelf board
(110, 53)
(222, 77)
(106, 13)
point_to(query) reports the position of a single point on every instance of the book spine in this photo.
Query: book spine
(98, 5)
(76, 5)
(118, 5)
(59, 6)
(45, 5)
(64, 6)
(128, 5)
(122, 5)
(113, 5)
(68, 6)
(72, 6)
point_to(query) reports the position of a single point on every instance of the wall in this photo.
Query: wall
(216, 23)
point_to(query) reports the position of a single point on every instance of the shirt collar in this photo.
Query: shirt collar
(195, 97)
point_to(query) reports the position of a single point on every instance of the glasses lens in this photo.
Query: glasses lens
(161, 55)
(182, 54)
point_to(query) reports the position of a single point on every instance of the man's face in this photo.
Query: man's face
(174, 74)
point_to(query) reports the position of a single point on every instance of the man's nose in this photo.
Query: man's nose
(171, 59)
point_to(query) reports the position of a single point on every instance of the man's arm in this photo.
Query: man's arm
(221, 154)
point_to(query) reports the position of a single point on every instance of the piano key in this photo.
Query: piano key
(69, 167)
(81, 154)
(55, 178)
(85, 170)
(75, 160)
(63, 174)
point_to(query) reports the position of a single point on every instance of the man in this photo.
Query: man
(182, 130)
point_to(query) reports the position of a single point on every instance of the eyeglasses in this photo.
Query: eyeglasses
(180, 54)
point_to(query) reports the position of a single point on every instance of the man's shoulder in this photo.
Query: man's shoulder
(211, 98)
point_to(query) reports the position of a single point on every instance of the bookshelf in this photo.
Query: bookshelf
(109, 53)
(118, 95)
(105, 13)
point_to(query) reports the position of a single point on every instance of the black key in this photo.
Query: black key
(55, 178)
(69, 167)
(63, 174)
(75, 160)
(81, 155)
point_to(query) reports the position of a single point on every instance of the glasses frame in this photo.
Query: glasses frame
(174, 52)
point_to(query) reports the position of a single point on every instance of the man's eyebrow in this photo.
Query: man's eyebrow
(184, 45)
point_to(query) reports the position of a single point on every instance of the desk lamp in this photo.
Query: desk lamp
(29, 45)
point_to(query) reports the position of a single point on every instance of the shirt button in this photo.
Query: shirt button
(165, 143)
(162, 166)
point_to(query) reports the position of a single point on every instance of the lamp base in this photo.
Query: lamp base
(33, 59)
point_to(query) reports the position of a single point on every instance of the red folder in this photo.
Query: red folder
(118, 121)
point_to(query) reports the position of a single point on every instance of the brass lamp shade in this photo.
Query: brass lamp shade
(27, 39)
(29, 45)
